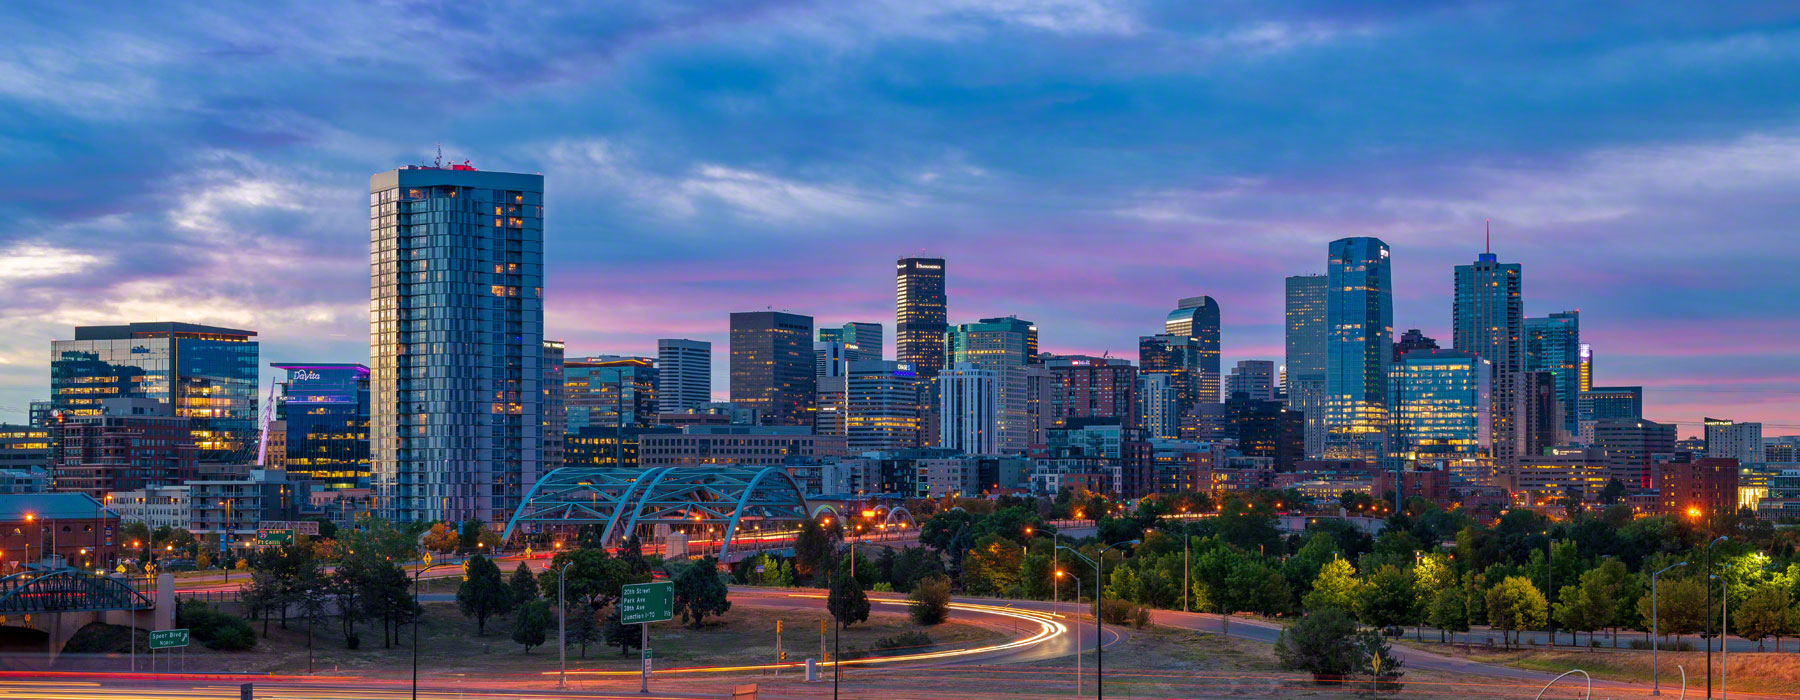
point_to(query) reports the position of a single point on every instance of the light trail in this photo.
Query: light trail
(1048, 628)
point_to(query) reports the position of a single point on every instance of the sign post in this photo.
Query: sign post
(166, 639)
(271, 538)
(642, 604)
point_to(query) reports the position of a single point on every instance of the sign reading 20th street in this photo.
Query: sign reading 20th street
(647, 602)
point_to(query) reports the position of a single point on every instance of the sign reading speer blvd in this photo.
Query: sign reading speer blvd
(647, 602)
(168, 639)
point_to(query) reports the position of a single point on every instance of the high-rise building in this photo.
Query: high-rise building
(772, 366)
(609, 391)
(862, 341)
(1159, 410)
(1631, 446)
(1265, 428)
(325, 407)
(1306, 343)
(1198, 318)
(1727, 439)
(1441, 404)
(1413, 339)
(1553, 344)
(1537, 414)
(920, 314)
(876, 406)
(128, 443)
(1700, 490)
(830, 358)
(1253, 378)
(991, 343)
(1359, 316)
(995, 353)
(206, 374)
(684, 370)
(24, 447)
(1178, 357)
(1092, 387)
(456, 341)
(1488, 319)
(1586, 374)
(554, 424)
(1602, 403)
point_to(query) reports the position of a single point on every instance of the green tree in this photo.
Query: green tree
(1680, 607)
(530, 625)
(618, 634)
(930, 600)
(847, 602)
(1335, 587)
(776, 572)
(1378, 661)
(1578, 611)
(1303, 567)
(1448, 612)
(1431, 574)
(1036, 576)
(1323, 643)
(595, 577)
(1767, 612)
(699, 592)
(584, 627)
(813, 546)
(1123, 584)
(523, 585)
(1387, 598)
(1515, 604)
(993, 566)
(483, 593)
(387, 596)
(1257, 588)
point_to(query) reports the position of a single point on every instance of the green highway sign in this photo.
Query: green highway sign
(168, 639)
(266, 538)
(647, 602)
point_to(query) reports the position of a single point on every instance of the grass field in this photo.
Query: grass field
(1757, 672)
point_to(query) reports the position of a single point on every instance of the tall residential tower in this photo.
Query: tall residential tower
(1359, 351)
(1488, 319)
(1306, 356)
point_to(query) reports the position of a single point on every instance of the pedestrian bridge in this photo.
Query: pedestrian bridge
(67, 590)
(720, 499)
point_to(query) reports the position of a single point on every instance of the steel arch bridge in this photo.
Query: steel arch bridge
(623, 500)
(67, 590)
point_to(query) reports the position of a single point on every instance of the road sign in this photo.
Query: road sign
(267, 538)
(647, 602)
(168, 639)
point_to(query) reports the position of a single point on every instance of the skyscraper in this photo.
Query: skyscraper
(1254, 378)
(456, 341)
(1488, 319)
(1728, 439)
(1413, 339)
(877, 402)
(1092, 387)
(609, 391)
(1359, 317)
(862, 341)
(204, 373)
(1198, 318)
(772, 366)
(1602, 403)
(554, 409)
(1306, 342)
(684, 368)
(1537, 414)
(325, 406)
(1158, 407)
(1553, 344)
(920, 314)
(991, 390)
(1441, 404)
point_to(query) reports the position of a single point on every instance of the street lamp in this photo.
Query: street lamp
(415, 626)
(562, 629)
(1099, 643)
(1655, 681)
(1059, 574)
(1708, 615)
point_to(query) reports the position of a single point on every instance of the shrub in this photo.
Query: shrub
(930, 600)
(217, 630)
(1324, 643)
(1114, 611)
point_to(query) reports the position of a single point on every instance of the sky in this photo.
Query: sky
(1079, 163)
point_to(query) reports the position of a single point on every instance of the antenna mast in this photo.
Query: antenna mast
(1489, 225)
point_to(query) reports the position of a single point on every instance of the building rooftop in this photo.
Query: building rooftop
(154, 329)
(50, 506)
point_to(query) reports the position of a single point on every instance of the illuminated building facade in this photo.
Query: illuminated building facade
(205, 373)
(129, 444)
(1488, 319)
(1092, 387)
(1179, 358)
(1727, 439)
(1158, 411)
(861, 341)
(1538, 479)
(1553, 344)
(1197, 318)
(456, 341)
(684, 374)
(1253, 378)
(1602, 403)
(1699, 490)
(609, 391)
(596, 446)
(554, 409)
(1442, 400)
(1306, 342)
(873, 405)
(325, 408)
(921, 314)
(24, 447)
(772, 366)
(1631, 446)
(738, 445)
(1359, 317)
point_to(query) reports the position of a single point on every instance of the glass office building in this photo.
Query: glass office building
(1441, 404)
(1197, 318)
(326, 409)
(772, 366)
(207, 374)
(1305, 356)
(1359, 350)
(456, 341)
(1488, 319)
(920, 314)
(609, 391)
(1553, 344)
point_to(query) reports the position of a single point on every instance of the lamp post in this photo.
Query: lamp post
(415, 626)
(1724, 630)
(1059, 574)
(1655, 681)
(562, 633)
(1099, 642)
(1708, 615)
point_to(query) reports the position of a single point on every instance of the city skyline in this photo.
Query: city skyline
(1624, 223)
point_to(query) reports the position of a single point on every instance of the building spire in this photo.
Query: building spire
(1489, 237)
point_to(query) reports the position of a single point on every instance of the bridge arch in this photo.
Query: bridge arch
(680, 498)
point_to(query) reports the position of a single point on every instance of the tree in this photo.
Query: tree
(1614, 492)
(1448, 612)
(1378, 661)
(1304, 565)
(1680, 608)
(530, 625)
(618, 634)
(776, 572)
(387, 596)
(1387, 599)
(584, 627)
(523, 585)
(440, 538)
(1767, 612)
(992, 566)
(1123, 584)
(595, 577)
(1515, 604)
(1257, 588)
(1432, 574)
(1324, 643)
(699, 592)
(930, 600)
(1336, 587)
(847, 602)
(812, 547)
(483, 593)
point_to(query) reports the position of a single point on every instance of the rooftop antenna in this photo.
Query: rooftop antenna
(1489, 224)
(439, 163)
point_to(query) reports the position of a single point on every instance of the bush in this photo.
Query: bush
(1324, 643)
(1114, 611)
(930, 600)
(217, 630)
